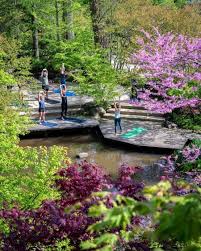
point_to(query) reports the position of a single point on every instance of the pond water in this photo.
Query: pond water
(110, 158)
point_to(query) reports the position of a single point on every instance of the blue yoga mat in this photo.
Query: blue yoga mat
(68, 93)
(49, 124)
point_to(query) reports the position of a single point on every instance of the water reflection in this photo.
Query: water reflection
(110, 158)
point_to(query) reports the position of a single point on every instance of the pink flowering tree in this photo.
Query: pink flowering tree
(171, 65)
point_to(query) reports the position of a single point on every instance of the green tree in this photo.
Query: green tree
(26, 174)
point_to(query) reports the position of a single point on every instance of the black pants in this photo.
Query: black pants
(116, 123)
(64, 106)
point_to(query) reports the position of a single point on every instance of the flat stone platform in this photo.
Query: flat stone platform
(151, 138)
(56, 127)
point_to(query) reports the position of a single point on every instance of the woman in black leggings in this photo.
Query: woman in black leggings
(64, 104)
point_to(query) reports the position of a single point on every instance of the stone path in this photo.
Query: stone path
(154, 136)
(55, 127)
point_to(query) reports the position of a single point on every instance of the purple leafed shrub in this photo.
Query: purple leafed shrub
(126, 184)
(64, 218)
(77, 182)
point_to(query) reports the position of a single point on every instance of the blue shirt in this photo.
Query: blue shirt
(42, 104)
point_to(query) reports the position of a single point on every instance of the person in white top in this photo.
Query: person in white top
(117, 117)
(44, 81)
(62, 75)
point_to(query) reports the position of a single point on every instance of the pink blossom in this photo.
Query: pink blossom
(165, 60)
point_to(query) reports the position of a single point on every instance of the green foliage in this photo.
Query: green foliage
(109, 239)
(187, 120)
(173, 3)
(26, 175)
(15, 67)
(193, 151)
(97, 79)
(63, 245)
(192, 89)
(95, 75)
(178, 219)
(6, 79)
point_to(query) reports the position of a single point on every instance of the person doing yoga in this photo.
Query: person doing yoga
(64, 104)
(117, 117)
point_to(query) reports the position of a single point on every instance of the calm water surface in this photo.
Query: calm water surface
(110, 158)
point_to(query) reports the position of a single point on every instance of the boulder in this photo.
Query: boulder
(82, 155)
(101, 111)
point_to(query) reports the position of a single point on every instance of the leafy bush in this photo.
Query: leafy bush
(187, 120)
(63, 218)
(92, 71)
(174, 223)
(188, 159)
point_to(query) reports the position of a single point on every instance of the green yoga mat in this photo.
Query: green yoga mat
(133, 133)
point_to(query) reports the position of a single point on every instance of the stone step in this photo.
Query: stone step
(136, 112)
(128, 122)
(126, 105)
(136, 117)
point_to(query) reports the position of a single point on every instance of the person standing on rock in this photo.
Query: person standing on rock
(41, 103)
(117, 117)
(45, 82)
(133, 96)
(64, 104)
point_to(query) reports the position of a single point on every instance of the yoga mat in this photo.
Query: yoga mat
(49, 124)
(68, 93)
(133, 133)
(75, 120)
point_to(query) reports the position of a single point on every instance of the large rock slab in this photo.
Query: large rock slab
(153, 137)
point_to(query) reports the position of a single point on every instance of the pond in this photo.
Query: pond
(110, 158)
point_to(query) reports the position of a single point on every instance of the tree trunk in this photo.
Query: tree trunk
(98, 24)
(57, 19)
(68, 19)
(35, 38)
(95, 15)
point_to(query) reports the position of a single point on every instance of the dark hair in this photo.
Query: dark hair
(63, 87)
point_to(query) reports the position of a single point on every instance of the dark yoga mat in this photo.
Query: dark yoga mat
(75, 120)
